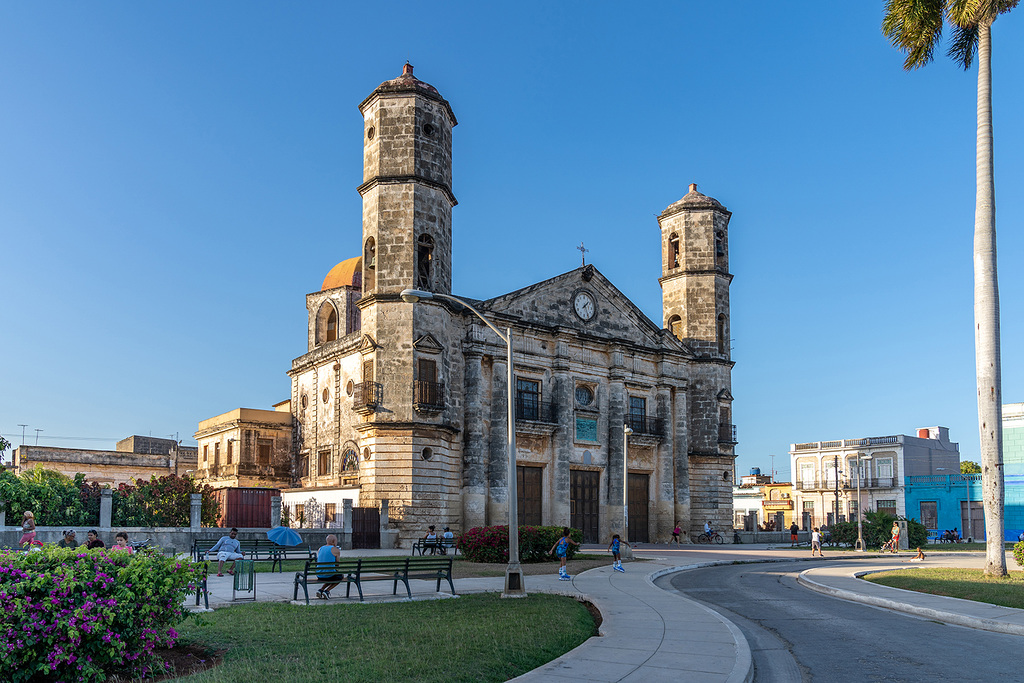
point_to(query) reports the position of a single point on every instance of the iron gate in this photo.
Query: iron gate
(365, 528)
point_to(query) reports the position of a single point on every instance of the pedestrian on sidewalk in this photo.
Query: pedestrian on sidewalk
(793, 531)
(28, 529)
(561, 549)
(616, 559)
(816, 542)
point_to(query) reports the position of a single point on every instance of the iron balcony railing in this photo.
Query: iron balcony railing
(645, 424)
(847, 443)
(829, 484)
(532, 409)
(428, 395)
(367, 397)
(727, 433)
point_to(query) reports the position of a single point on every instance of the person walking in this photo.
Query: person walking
(616, 558)
(675, 533)
(28, 529)
(895, 533)
(793, 531)
(561, 550)
(816, 542)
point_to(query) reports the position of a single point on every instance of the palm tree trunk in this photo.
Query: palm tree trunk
(986, 319)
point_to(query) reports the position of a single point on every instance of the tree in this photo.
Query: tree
(915, 27)
(969, 467)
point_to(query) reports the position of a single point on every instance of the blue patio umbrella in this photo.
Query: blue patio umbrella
(282, 535)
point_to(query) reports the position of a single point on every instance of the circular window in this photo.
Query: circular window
(427, 454)
(584, 395)
(370, 132)
(428, 130)
(350, 388)
(366, 454)
(304, 401)
(327, 395)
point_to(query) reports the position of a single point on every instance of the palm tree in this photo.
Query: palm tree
(915, 27)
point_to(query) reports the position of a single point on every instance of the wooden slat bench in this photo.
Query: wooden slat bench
(357, 570)
(436, 546)
(258, 550)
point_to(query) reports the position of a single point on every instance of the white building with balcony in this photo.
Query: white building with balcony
(826, 473)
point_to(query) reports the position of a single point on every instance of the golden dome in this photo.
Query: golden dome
(348, 273)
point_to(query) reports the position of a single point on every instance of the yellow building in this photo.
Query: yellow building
(778, 497)
(246, 447)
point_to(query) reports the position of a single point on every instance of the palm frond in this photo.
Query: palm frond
(964, 44)
(914, 27)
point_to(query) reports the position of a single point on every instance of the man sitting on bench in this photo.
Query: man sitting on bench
(328, 553)
(228, 549)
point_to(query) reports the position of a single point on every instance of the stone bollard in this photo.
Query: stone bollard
(106, 507)
(275, 511)
(388, 536)
(346, 530)
(384, 521)
(196, 513)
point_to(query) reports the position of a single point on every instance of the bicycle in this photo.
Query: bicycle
(889, 546)
(713, 537)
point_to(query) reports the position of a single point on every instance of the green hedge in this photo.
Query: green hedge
(78, 615)
(59, 500)
(490, 543)
(878, 530)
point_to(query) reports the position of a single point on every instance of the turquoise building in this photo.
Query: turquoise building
(942, 502)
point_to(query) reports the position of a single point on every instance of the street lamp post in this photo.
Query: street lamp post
(514, 587)
(860, 515)
(626, 431)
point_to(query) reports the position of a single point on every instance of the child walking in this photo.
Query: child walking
(614, 547)
(561, 549)
(816, 542)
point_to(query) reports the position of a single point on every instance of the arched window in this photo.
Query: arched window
(675, 326)
(424, 261)
(369, 265)
(349, 460)
(673, 251)
(326, 323)
(723, 342)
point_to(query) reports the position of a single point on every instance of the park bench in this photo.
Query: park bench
(435, 546)
(258, 550)
(357, 570)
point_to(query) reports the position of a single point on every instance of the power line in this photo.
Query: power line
(70, 438)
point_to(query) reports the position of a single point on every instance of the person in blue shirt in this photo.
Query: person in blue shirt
(561, 550)
(328, 553)
(614, 547)
(228, 549)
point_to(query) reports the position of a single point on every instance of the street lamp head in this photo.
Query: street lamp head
(411, 296)
(626, 429)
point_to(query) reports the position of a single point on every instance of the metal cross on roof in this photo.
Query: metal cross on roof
(583, 252)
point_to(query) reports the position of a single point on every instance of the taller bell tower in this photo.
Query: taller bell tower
(410, 431)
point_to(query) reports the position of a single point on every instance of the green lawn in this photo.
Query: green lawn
(969, 584)
(471, 638)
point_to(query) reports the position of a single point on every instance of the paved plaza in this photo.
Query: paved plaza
(651, 635)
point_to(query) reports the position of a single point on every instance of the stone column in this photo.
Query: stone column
(562, 442)
(665, 466)
(474, 481)
(196, 511)
(106, 507)
(346, 531)
(616, 420)
(3, 513)
(275, 511)
(497, 465)
(388, 536)
(681, 462)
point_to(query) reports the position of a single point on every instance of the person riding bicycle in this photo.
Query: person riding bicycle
(707, 528)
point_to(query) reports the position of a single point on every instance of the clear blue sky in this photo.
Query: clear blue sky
(175, 177)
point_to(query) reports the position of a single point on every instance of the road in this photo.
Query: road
(798, 635)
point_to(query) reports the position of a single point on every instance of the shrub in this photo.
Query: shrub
(490, 543)
(844, 533)
(77, 615)
(1018, 553)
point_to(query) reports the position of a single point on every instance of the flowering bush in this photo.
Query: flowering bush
(490, 543)
(77, 615)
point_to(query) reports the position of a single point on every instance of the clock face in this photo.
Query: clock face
(584, 305)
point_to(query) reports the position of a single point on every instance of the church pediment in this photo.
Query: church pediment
(724, 395)
(428, 344)
(585, 300)
(367, 345)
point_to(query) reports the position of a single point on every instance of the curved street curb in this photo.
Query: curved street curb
(897, 606)
(743, 669)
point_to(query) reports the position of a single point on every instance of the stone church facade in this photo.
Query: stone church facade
(407, 402)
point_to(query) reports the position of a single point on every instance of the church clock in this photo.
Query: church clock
(583, 304)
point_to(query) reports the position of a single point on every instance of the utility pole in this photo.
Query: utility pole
(773, 468)
(37, 435)
(22, 433)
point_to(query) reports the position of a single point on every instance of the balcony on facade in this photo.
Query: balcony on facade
(845, 484)
(727, 434)
(530, 408)
(645, 424)
(367, 397)
(428, 396)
